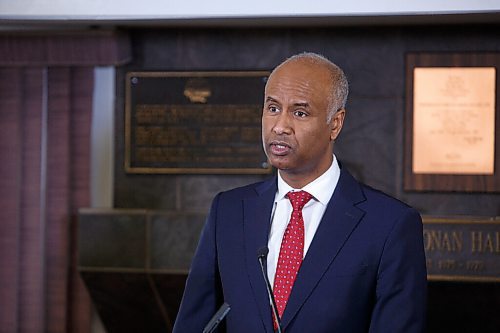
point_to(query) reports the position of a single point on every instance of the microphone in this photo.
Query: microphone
(262, 256)
(217, 318)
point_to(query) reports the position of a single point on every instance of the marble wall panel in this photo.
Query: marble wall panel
(173, 240)
(112, 240)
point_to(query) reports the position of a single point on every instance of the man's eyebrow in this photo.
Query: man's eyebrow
(304, 105)
(270, 99)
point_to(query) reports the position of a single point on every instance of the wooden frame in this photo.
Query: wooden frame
(449, 182)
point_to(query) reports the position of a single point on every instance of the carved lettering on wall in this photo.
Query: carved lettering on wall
(462, 249)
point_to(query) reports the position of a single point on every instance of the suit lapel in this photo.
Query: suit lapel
(256, 224)
(339, 220)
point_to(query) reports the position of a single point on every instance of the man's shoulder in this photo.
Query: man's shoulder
(358, 191)
(380, 197)
(386, 209)
(249, 190)
(376, 200)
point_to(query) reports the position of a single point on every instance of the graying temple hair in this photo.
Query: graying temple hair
(340, 87)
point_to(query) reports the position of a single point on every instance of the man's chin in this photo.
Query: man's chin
(280, 162)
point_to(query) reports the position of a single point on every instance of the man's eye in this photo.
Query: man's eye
(300, 114)
(273, 109)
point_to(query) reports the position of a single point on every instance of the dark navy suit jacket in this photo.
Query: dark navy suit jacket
(364, 270)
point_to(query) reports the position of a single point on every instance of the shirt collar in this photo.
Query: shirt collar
(321, 188)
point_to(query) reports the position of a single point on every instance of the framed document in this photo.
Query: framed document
(451, 141)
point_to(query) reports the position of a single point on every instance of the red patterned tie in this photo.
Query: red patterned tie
(291, 251)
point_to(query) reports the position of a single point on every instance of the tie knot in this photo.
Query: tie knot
(299, 199)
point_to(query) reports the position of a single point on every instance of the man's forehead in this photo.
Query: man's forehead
(297, 82)
(300, 72)
(306, 65)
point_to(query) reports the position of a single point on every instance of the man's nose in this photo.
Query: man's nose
(283, 124)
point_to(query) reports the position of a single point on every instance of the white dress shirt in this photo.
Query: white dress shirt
(321, 189)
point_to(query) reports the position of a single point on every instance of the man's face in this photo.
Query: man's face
(296, 136)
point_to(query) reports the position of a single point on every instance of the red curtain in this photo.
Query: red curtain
(46, 88)
(44, 178)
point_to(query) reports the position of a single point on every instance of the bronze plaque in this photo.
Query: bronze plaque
(195, 122)
(454, 120)
(462, 249)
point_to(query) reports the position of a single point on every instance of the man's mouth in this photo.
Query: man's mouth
(279, 148)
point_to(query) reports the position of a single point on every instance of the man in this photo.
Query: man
(342, 257)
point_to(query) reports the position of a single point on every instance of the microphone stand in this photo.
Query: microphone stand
(262, 256)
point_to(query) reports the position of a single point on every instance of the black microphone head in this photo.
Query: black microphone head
(262, 252)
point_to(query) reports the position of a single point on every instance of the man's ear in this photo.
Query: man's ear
(336, 124)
